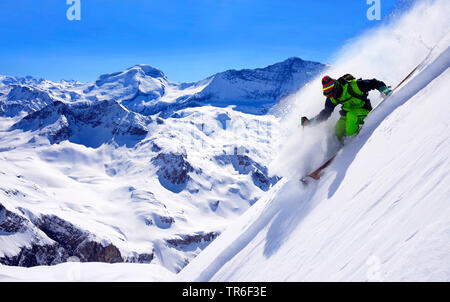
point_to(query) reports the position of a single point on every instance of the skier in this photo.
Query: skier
(352, 95)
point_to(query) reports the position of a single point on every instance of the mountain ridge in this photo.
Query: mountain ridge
(146, 89)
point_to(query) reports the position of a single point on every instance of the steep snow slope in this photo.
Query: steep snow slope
(380, 212)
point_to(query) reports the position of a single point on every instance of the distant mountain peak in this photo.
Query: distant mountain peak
(134, 73)
(293, 59)
(147, 70)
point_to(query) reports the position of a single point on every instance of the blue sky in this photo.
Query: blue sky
(187, 39)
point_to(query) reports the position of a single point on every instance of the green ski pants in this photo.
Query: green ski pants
(349, 124)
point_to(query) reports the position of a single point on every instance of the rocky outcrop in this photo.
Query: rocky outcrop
(37, 255)
(10, 222)
(77, 242)
(185, 240)
(37, 251)
(262, 180)
(54, 240)
(245, 165)
(141, 258)
(57, 240)
(92, 251)
(173, 170)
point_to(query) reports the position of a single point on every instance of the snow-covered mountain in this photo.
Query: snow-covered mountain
(177, 178)
(86, 123)
(256, 91)
(75, 155)
(208, 158)
(102, 183)
(26, 95)
(147, 91)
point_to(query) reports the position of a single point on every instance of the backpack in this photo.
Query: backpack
(346, 79)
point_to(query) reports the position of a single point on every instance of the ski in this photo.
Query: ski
(407, 77)
(317, 173)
